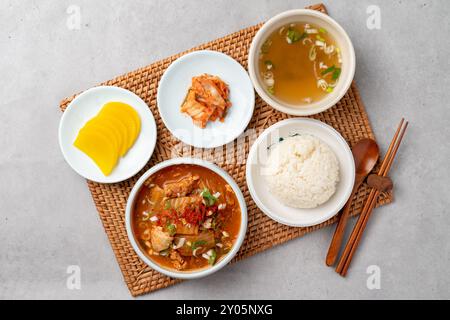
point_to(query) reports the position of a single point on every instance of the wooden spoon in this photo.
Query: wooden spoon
(366, 153)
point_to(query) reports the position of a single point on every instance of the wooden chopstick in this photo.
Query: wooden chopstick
(369, 199)
(370, 204)
(359, 228)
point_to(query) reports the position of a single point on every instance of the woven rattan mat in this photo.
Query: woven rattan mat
(348, 117)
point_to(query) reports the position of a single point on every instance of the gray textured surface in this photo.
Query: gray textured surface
(47, 218)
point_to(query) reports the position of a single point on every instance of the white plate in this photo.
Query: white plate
(268, 203)
(173, 88)
(87, 105)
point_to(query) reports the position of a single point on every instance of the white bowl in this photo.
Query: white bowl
(268, 203)
(336, 32)
(86, 106)
(186, 274)
(173, 88)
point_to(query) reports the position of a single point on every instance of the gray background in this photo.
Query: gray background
(47, 217)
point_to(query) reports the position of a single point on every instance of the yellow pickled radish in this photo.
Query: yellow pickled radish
(106, 129)
(99, 148)
(127, 115)
(116, 131)
(127, 108)
(121, 127)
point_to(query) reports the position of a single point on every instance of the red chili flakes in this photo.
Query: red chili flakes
(167, 215)
(197, 215)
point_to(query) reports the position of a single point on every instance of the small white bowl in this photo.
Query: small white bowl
(174, 86)
(86, 106)
(337, 33)
(186, 274)
(274, 208)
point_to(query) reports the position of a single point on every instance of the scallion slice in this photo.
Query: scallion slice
(328, 70)
(293, 35)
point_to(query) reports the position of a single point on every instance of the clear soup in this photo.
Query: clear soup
(300, 63)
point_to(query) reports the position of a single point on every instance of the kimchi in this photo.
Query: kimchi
(207, 100)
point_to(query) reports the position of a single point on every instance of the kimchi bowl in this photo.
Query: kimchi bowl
(186, 218)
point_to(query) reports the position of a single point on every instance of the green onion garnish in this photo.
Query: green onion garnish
(336, 73)
(212, 258)
(197, 244)
(268, 63)
(172, 229)
(293, 35)
(209, 198)
(328, 70)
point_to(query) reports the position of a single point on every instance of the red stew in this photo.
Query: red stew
(186, 217)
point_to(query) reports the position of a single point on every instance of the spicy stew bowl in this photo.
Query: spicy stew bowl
(186, 218)
(280, 25)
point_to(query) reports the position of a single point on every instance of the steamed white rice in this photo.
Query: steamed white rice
(302, 171)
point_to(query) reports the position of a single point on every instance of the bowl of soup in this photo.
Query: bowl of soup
(186, 218)
(301, 62)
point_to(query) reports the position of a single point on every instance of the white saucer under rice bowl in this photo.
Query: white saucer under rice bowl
(302, 171)
(300, 180)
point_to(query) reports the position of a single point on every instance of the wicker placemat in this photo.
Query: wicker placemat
(348, 117)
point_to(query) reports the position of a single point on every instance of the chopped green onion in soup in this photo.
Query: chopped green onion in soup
(328, 70)
(269, 64)
(336, 73)
(320, 38)
(212, 256)
(293, 35)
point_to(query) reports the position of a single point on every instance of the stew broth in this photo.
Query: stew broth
(186, 217)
